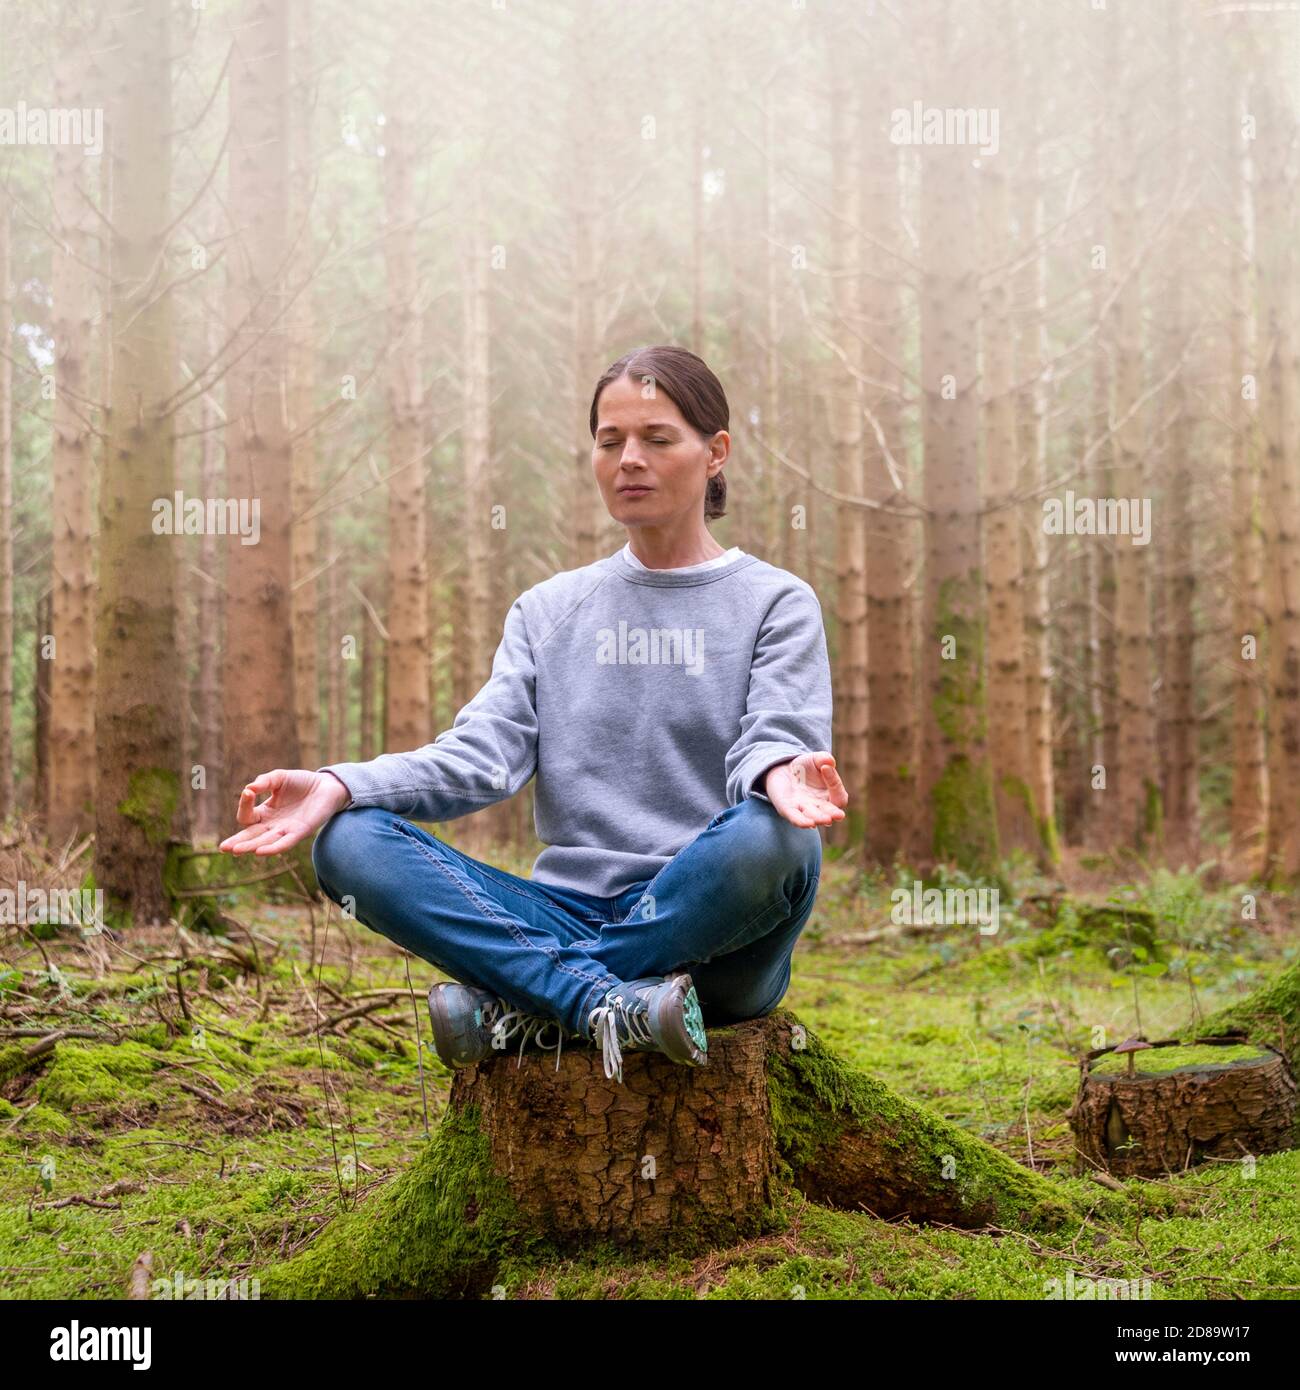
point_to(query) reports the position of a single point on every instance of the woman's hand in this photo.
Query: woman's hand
(299, 804)
(807, 790)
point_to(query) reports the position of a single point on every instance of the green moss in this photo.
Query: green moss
(438, 1230)
(43, 1119)
(1153, 821)
(13, 1059)
(965, 822)
(1270, 1015)
(87, 1076)
(309, 1057)
(815, 1098)
(1159, 1061)
(150, 802)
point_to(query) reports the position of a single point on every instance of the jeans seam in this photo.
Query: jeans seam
(489, 909)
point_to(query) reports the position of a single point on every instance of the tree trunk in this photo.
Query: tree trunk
(1133, 783)
(259, 578)
(72, 291)
(850, 732)
(137, 715)
(1279, 414)
(1008, 691)
(208, 817)
(1249, 767)
(1031, 428)
(1181, 798)
(409, 722)
(6, 524)
(957, 787)
(305, 527)
(531, 1159)
(891, 693)
(41, 705)
(582, 523)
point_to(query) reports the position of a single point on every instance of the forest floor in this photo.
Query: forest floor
(191, 1121)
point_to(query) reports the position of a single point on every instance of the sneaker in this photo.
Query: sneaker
(470, 1024)
(651, 1015)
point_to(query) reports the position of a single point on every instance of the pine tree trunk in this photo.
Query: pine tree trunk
(957, 790)
(41, 706)
(208, 816)
(1008, 708)
(1031, 430)
(1279, 413)
(137, 715)
(476, 463)
(891, 692)
(409, 722)
(582, 523)
(1181, 796)
(304, 539)
(6, 522)
(1133, 783)
(850, 705)
(1249, 766)
(72, 290)
(259, 578)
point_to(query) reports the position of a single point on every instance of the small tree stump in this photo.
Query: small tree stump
(534, 1162)
(673, 1149)
(1183, 1103)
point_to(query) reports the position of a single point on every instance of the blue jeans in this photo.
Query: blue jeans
(728, 907)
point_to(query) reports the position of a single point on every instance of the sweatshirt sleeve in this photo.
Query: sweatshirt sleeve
(489, 752)
(788, 707)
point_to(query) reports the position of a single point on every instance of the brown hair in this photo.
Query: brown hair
(687, 381)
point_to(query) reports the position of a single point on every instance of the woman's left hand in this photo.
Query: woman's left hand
(807, 790)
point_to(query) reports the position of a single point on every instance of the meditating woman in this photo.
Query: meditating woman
(673, 701)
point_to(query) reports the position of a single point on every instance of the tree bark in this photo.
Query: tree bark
(1008, 691)
(1249, 765)
(1133, 782)
(408, 721)
(6, 523)
(1279, 414)
(957, 789)
(73, 315)
(259, 578)
(137, 716)
(850, 732)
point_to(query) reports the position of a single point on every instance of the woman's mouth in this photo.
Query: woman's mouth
(634, 491)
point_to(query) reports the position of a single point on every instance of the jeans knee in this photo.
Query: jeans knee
(340, 845)
(781, 848)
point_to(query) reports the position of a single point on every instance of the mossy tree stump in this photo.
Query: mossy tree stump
(532, 1161)
(1181, 1104)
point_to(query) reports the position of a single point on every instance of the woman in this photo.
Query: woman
(674, 702)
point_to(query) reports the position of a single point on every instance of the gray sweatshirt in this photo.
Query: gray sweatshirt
(645, 701)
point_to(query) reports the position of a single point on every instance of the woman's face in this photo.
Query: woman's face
(651, 466)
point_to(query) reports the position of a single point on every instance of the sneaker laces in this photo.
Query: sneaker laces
(509, 1020)
(604, 1020)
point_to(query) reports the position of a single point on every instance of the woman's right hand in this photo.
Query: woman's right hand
(299, 804)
